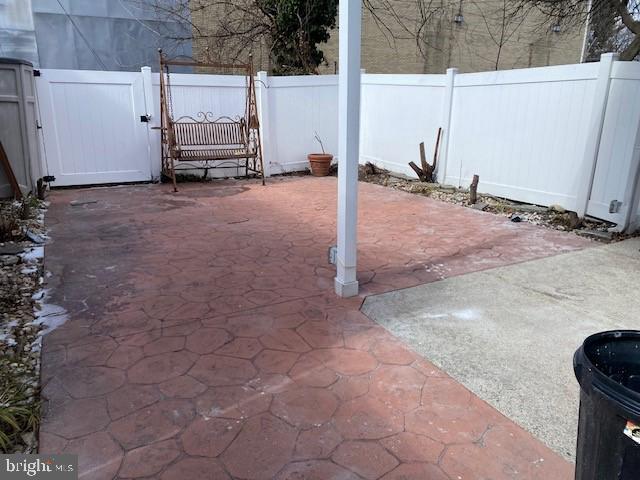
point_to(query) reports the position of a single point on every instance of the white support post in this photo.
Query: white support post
(153, 134)
(594, 133)
(346, 284)
(268, 154)
(447, 106)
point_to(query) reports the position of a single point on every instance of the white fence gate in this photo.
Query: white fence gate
(91, 126)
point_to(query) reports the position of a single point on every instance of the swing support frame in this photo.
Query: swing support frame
(207, 142)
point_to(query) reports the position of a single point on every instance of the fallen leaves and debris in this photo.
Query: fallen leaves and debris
(554, 216)
(22, 234)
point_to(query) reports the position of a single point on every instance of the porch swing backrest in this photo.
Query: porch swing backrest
(219, 140)
(193, 133)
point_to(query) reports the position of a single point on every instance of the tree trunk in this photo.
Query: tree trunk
(632, 50)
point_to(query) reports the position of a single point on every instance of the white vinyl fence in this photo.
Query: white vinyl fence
(567, 135)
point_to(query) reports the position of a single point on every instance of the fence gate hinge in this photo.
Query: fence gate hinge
(145, 118)
(36, 72)
(614, 206)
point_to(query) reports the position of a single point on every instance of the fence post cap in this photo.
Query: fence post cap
(611, 55)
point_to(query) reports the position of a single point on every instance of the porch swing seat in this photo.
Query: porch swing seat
(184, 154)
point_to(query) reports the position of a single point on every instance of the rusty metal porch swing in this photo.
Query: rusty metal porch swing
(209, 142)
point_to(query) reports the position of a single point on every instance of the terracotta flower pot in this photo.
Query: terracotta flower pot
(320, 163)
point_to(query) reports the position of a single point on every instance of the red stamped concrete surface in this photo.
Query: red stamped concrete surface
(204, 339)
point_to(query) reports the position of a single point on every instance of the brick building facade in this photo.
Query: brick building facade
(472, 36)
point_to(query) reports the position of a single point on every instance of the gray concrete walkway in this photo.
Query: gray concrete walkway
(509, 334)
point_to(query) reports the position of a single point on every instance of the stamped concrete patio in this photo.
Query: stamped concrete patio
(204, 339)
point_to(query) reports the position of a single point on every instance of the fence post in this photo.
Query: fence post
(632, 222)
(447, 105)
(594, 133)
(265, 126)
(153, 136)
(361, 149)
(631, 198)
(148, 91)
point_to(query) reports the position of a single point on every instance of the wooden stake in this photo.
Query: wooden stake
(423, 158)
(473, 190)
(41, 189)
(435, 150)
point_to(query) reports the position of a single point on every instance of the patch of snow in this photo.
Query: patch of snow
(32, 254)
(51, 317)
(48, 315)
(466, 314)
(35, 237)
(40, 294)
(436, 315)
(36, 346)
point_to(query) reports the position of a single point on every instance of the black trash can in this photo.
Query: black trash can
(607, 366)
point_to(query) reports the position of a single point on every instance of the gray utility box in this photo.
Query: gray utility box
(18, 125)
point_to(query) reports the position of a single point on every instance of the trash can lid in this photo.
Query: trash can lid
(610, 361)
(18, 61)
